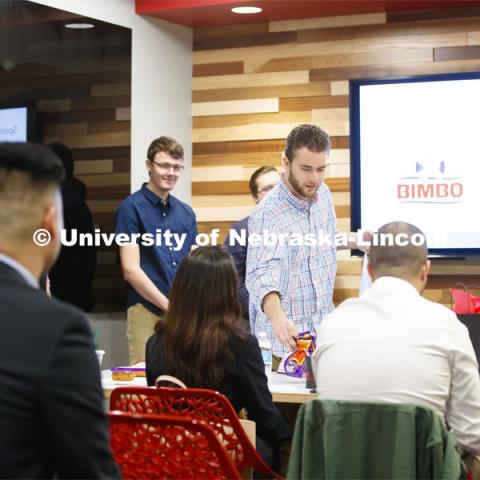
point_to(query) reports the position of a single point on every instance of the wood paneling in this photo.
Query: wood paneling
(78, 106)
(233, 107)
(295, 90)
(456, 53)
(216, 121)
(249, 80)
(308, 72)
(328, 22)
(225, 68)
(250, 40)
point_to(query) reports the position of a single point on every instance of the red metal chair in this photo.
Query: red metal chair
(158, 447)
(213, 407)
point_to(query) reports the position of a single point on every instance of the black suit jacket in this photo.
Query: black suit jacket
(52, 422)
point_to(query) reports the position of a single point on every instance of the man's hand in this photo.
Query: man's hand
(285, 332)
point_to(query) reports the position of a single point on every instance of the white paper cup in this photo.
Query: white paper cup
(100, 354)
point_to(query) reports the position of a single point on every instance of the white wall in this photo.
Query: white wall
(161, 80)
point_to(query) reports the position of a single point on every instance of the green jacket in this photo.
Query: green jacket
(352, 440)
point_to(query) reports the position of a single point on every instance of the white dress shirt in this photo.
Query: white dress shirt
(392, 345)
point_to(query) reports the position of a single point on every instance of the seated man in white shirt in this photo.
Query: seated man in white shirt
(392, 345)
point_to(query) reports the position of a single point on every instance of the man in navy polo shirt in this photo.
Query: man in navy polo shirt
(149, 270)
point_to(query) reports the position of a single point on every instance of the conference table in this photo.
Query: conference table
(284, 389)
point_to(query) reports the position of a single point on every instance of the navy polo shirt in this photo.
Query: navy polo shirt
(144, 212)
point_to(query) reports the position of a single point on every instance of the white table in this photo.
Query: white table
(284, 389)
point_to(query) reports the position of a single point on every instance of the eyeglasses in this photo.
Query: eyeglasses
(166, 167)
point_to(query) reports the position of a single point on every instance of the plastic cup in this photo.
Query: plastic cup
(100, 354)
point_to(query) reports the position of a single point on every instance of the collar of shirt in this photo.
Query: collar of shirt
(155, 199)
(20, 269)
(292, 199)
(394, 283)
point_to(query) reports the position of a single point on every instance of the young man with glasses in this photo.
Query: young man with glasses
(263, 180)
(149, 270)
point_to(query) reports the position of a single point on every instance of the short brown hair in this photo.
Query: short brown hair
(391, 259)
(309, 136)
(167, 145)
(252, 185)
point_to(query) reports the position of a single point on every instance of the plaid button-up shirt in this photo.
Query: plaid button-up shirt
(303, 275)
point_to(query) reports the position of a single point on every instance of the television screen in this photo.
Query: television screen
(415, 157)
(14, 123)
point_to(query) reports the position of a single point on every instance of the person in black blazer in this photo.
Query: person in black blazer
(52, 423)
(204, 342)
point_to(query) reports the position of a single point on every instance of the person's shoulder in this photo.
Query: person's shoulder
(241, 224)
(185, 207)
(133, 199)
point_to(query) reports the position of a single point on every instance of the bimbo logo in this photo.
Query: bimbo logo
(430, 184)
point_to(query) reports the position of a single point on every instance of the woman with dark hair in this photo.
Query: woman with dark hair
(203, 341)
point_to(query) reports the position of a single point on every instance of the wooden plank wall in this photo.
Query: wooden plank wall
(86, 106)
(252, 83)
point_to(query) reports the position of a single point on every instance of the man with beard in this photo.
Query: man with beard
(291, 284)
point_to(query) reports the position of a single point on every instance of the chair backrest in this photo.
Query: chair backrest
(340, 440)
(155, 446)
(208, 405)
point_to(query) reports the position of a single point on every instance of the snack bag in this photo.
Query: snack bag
(293, 363)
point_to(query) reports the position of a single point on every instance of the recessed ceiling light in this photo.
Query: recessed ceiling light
(79, 25)
(246, 10)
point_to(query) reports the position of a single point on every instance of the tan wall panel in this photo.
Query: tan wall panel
(105, 180)
(240, 200)
(335, 121)
(386, 57)
(347, 281)
(222, 214)
(327, 22)
(111, 89)
(122, 113)
(93, 166)
(294, 90)
(259, 54)
(352, 266)
(230, 30)
(114, 139)
(339, 87)
(256, 159)
(249, 80)
(205, 174)
(235, 107)
(255, 131)
(473, 38)
(233, 120)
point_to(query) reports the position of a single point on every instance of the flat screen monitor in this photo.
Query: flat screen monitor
(415, 157)
(16, 123)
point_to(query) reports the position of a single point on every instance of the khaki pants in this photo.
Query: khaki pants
(140, 327)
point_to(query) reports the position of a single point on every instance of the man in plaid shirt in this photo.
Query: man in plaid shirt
(291, 281)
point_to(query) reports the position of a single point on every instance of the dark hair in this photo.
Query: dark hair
(40, 164)
(165, 144)
(388, 258)
(28, 174)
(307, 135)
(65, 155)
(203, 314)
(252, 185)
